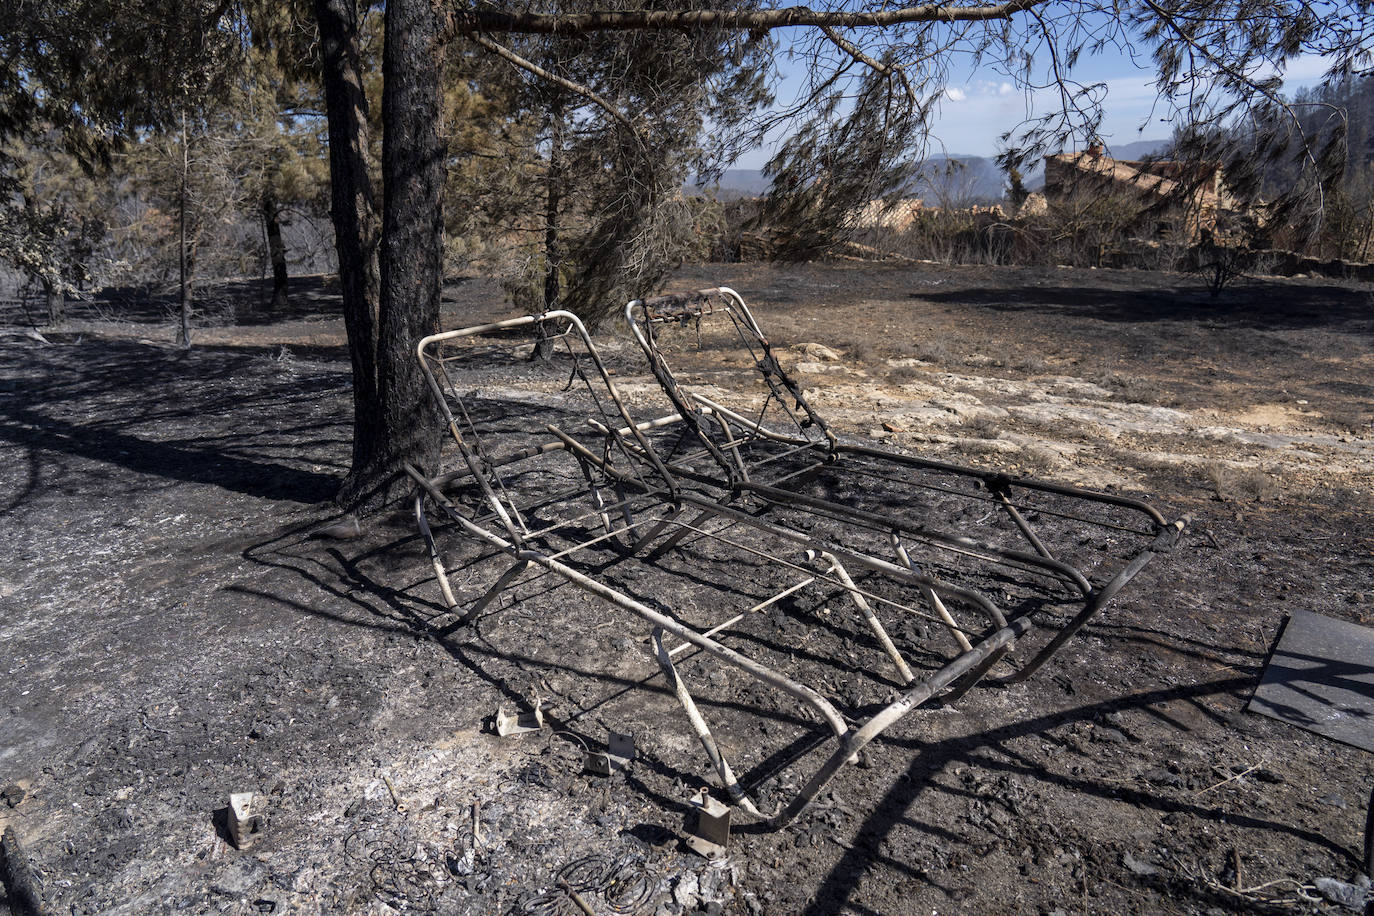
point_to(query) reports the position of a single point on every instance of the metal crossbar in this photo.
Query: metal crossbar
(562, 499)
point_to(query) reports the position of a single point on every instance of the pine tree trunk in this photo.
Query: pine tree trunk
(357, 227)
(56, 302)
(553, 202)
(184, 294)
(397, 422)
(276, 250)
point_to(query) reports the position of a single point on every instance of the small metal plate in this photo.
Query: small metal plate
(620, 751)
(519, 723)
(710, 836)
(1321, 678)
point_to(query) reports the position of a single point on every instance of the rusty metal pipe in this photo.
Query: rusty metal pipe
(703, 732)
(434, 557)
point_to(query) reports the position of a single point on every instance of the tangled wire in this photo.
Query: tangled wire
(404, 874)
(623, 885)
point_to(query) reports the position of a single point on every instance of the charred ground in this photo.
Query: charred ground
(170, 635)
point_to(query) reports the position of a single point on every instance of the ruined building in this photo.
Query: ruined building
(1159, 197)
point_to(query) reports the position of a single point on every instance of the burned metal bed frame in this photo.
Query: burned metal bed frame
(639, 498)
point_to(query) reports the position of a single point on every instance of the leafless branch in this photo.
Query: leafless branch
(857, 53)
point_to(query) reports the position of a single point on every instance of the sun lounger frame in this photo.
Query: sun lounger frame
(624, 459)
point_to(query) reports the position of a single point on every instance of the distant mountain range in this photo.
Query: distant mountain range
(953, 179)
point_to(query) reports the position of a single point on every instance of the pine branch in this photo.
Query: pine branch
(530, 66)
(857, 53)
(489, 20)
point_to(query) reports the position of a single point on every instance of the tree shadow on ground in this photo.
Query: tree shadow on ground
(901, 805)
(211, 416)
(245, 302)
(237, 301)
(1259, 305)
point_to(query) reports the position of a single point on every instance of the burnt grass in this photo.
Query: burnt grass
(169, 634)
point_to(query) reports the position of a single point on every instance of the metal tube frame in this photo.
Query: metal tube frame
(499, 523)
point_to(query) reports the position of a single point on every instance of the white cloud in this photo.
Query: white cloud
(1304, 71)
(987, 109)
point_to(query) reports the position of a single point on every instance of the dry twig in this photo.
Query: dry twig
(1243, 772)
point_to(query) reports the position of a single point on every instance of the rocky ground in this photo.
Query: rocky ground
(170, 634)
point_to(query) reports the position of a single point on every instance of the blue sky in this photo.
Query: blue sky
(975, 113)
(982, 105)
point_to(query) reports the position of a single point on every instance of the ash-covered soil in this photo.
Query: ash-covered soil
(171, 635)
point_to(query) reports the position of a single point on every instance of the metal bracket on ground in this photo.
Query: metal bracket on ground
(508, 724)
(245, 820)
(710, 837)
(620, 750)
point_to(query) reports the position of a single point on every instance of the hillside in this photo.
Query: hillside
(954, 178)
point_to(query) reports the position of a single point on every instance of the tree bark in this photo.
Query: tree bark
(500, 20)
(56, 302)
(553, 202)
(353, 209)
(400, 423)
(276, 249)
(183, 258)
